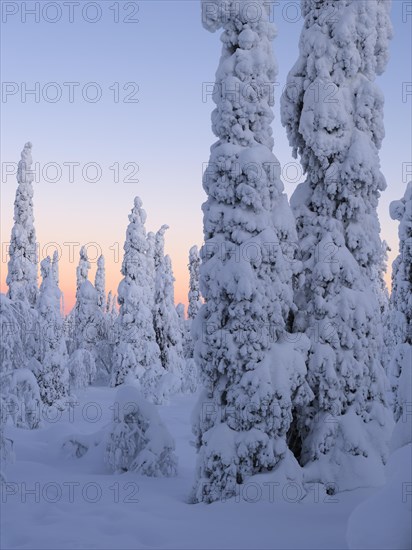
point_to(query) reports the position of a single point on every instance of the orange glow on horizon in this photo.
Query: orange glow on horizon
(113, 277)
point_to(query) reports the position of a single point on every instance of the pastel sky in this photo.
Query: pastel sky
(164, 61)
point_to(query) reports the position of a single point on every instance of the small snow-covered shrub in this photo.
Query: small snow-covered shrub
(82, 369)
(190, 378)
(12, 354)
(77, 445)
(24, 399)
(6, 445)
(52, 378)
(137, 439)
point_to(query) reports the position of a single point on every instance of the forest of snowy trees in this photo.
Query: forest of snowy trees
(299, 357)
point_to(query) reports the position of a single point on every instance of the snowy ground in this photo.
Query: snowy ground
(56, 501)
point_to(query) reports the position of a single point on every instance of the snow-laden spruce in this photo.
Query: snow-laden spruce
(136, 355)
(401, 318)
(51, 370)
(183, 327)
(194, 290)
(193, 298)
(82, 274)
(137, 439)
(245, 411)
(18, 385)
(6, 444)
(100, 283)
(151, 261)
(190, 377)
(22, 266)
(103, 349)
(111, 315)
(56, 275)
(20, 326)
(82, 270)
(88, 322)
(166, 320)
(12, 352)
(333, 113)
(88, 309)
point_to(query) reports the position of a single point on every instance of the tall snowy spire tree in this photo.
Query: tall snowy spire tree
(333, 113)
(22, 266)
(100, 283)
(401, 310)
(194, 291)
(245, 278)
(52, 374)
(165, 317)
(55, 271)
(137, 355)
(82, 274)
(150, 255)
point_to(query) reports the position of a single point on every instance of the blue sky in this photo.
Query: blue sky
(166, 57)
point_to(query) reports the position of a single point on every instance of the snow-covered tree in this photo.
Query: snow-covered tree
(74, 318)
(111, 318)
(109, 302)
(113, 309)
(18, 386)
(159, 246)
(6, 444)
(245, 275)
(137, 440)
(82, 270)
(194, 298)
(190, 377)
(22, 266)
(88, 314)
(88, 317)
(55, 269)
(82, 368)
(194, 291)
(151, 268)
(332, 110)
(401, 313)
(100, 283)
(136, 355)
(51, 371)
(12, 352)
(165, 318)
(184, 331)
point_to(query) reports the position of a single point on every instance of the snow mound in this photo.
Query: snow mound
(384, 520)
